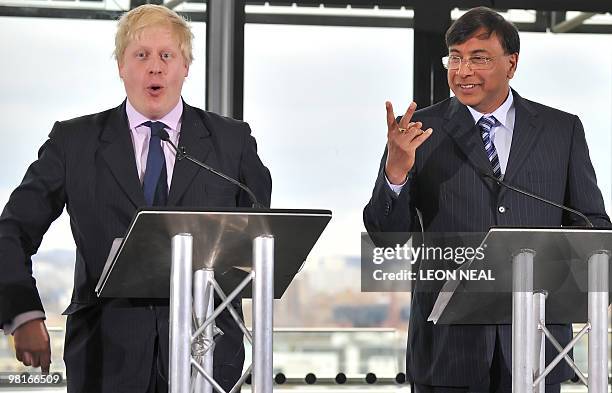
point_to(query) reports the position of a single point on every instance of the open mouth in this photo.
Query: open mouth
(155, 89)
(467, 86)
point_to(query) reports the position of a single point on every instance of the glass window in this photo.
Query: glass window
(315, 99)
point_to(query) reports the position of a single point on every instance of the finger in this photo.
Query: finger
(416, 130)
(410, 134)
(408, 115)
(411, 130)
(45, 362)
(416, 124)
(35, 360)
(418, 141)
(390, 115)
(27, 358)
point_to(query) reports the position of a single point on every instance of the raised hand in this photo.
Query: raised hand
(403, 139)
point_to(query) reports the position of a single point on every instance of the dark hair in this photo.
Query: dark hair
(484, 18)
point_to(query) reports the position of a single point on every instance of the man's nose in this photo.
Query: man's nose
(464, 68)
(156, 66)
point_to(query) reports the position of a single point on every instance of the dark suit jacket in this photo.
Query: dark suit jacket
(548, 156)
(88, 166)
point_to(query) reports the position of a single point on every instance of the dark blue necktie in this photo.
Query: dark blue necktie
(486, 124)
(155, 182)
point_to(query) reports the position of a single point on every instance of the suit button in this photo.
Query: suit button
(387, 209)
(501, 209)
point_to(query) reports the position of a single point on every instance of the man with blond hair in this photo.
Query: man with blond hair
(102, 168)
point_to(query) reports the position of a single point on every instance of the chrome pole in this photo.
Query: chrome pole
(203, 306)
(263, 302)
(522, 321)
(539, 314)
(180, 313)
(598, 317)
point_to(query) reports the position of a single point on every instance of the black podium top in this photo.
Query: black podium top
(139, 264)
(560, 269)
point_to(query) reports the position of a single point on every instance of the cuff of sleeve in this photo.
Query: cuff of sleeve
(11, 326)
(396, 188)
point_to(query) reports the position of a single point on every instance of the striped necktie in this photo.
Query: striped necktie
(486, 124)
(155, 182)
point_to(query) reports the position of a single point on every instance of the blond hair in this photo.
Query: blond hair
(132, 23)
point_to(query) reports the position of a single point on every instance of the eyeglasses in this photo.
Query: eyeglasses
(474, 62)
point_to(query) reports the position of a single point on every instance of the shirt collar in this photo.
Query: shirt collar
(501, 113)
(171, 119)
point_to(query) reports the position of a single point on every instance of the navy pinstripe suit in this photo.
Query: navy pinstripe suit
(548, 156)
(88, 166)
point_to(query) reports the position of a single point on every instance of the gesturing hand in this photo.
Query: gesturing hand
(402, 141)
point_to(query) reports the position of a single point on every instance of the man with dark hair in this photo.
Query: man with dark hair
(487, 127)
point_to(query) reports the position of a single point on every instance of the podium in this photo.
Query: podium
(542, 275)
(191, 255)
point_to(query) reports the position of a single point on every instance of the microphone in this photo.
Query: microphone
(182, 154)
(539, 198)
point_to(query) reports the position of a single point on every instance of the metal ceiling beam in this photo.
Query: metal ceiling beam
(543, 19)
(138, 3)
(172, 4)
(329, 20)
(571, 24)
(68, 13)
(599, 6)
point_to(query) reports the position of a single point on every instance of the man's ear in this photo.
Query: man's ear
(513, 63)
(120, 68)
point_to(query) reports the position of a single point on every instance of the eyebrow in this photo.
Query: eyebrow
(153, 50)
(474, 52)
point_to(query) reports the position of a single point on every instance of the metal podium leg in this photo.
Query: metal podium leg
(539, 314)
(180, 313)
(263, 303)
(598, 317)
(522, 321)
(203, 306)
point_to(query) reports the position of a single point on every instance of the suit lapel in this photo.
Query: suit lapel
(118, 153)
(524, 136)
(460, 126)
(195, 138)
